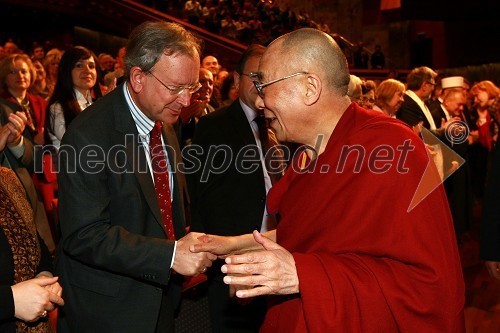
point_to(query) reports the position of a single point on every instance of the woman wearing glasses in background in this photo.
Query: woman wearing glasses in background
(367, 99)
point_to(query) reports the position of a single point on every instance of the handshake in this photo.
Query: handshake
(254, 263)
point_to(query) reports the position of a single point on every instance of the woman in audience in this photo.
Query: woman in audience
(74, 91)
(27, 288)
(228, 91)
(40, 86)
(17, 75)
(51, 65)
(367, 99)
(389, 97)
(486, 101)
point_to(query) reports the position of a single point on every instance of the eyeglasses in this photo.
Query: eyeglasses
(251, 75)
(367, 100)
(431, 83)
(178, 90)
(259, 86)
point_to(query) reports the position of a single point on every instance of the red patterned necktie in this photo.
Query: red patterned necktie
(160, 173)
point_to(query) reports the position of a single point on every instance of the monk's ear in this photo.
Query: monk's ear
(313, 89)
(137, 79)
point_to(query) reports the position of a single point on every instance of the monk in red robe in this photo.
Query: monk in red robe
(353, 251)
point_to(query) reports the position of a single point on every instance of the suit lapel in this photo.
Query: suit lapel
(136, 155)
(241, 126)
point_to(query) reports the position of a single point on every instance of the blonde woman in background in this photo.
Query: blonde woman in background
(389, 97)
(51, 65)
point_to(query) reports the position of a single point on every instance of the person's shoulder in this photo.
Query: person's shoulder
(99, 115)
(383, 126)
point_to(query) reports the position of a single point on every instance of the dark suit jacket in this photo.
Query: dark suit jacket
(22, 167)
(229, 201)
(436, 112)
(227, 198)
(490, 223)
(115, 257)
(411, 113)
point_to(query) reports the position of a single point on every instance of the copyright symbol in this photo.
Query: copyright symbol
(457, 132)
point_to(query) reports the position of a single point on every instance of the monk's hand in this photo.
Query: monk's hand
(268, 272)
(218, 245)
(233, 288)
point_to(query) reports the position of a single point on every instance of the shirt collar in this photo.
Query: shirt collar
(144, 124)
(249, 112)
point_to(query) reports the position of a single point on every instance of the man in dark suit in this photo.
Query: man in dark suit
(124, 249)
(19, 156)
(231, 200)
(420, 85)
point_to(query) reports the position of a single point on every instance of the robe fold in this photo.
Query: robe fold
(365, 263)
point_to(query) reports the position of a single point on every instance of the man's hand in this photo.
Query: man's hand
(493, 268)
(189, 263)
(271, 271)
(32, 298)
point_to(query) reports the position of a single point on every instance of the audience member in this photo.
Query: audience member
(389, 97)
(27, 288)
(233, 202)
(229, 92)
(354, 90)
(39, 87)
(377, 58)
(51, 65)
(37, 52)
(18, 155)
(367, 99)
(122, 222)
(72, 94)
(10, 48)
(198, 107)
(458, 184)
(17, 75)
(324, 277)
(212, 64)
(486, 102)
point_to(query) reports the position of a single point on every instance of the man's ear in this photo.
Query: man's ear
(313, 89)
(237, 81)
(137, 78)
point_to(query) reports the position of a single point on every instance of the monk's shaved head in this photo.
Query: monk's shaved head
(314, 51)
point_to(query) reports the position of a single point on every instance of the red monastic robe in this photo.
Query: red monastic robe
(366, 264)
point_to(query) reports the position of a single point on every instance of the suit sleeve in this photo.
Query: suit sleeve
(90, 233)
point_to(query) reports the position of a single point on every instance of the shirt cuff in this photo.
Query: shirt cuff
(173, 256)
(18, 150)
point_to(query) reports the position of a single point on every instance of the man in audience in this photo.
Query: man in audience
(212, 64)
(199, 107)
(124, 250)
(347, 255)
(232, 202)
